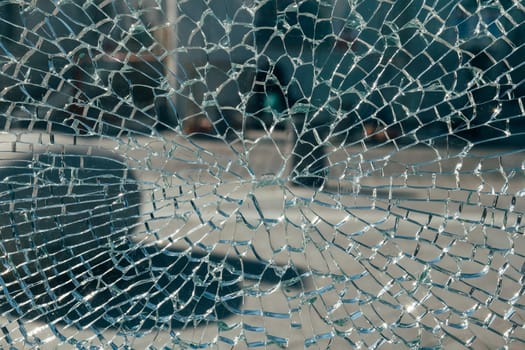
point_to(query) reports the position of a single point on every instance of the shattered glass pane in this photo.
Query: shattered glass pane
(262, 173)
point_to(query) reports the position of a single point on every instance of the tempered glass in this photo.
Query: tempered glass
(262, 174)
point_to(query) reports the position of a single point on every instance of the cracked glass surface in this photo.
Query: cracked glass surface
(262, 174)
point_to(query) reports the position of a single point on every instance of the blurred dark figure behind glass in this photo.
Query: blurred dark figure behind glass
(285, 33)
(298, 52)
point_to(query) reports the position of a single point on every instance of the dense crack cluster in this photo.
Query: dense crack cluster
(262, 173)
